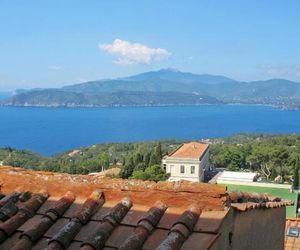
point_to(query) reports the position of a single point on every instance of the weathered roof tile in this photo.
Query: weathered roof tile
(137, 222)
(181, 229)
(67, 233)
(144, 227)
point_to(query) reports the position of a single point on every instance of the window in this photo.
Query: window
(182, 169)
(293, 232)
(192, 169)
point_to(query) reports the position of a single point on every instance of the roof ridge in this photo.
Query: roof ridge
(57, 183)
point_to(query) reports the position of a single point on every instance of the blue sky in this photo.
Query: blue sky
(54, 43)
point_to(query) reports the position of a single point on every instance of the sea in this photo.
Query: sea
(54, 130)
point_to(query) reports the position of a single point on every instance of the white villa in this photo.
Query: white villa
(188, 162)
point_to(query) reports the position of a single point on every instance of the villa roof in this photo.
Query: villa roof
(190, 150)
(42, 210)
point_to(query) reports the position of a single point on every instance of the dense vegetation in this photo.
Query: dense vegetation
(57, 97)
(274, 157)
(138, 160)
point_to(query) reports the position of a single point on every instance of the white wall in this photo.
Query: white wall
(174, 170)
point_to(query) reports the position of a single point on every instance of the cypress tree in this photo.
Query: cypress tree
(296, 173)
(159, 152)
(296, 177)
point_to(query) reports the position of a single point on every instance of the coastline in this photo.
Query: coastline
(71, 106)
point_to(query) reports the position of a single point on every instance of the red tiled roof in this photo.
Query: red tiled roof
(243, 201)
(190, 150)
(292, 242)
(74, 211)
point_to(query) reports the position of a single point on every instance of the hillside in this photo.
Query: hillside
(57, 98)
(163, 87)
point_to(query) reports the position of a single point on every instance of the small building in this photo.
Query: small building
(188, 162)
(227, 177)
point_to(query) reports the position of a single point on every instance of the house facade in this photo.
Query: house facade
(188, 162)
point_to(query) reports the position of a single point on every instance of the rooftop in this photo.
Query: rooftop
(54, 211)
(236, 176)
(190, 150)
(292, 235)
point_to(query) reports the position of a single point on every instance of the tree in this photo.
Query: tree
(260, 157)
(153, 173)
(296, 173)
(146, 158)
(127, 169)
(234, 158)
(104, 161)
(159, 151)
(296, 178)
(138, 158)
(153, 159)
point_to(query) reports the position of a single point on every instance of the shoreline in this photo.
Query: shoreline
(283, 108)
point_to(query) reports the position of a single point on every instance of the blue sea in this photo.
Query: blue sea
(53, 130)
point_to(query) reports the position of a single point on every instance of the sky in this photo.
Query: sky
(52, 43)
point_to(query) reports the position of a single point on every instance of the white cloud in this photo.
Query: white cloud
(134, 53)
(55, 67)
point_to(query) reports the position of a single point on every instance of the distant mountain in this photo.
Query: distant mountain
(174, 75)
(164, 87)
(162, 80)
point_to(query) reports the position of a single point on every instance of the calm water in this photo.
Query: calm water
(53, 130)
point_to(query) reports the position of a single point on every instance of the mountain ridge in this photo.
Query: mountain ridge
(155, 88)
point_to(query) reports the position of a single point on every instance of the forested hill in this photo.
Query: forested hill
(164, 87)
(270, 155)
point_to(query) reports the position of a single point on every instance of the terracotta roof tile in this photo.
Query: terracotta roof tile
(41, 244)
(10, 241)
(200, 241)
(210, 221)
(292, 242)
(181, 229)
(118, 236)
(102, 232)
(14, 196)
(135, 214)
(243, 201)
(144, 227)
(40, 227)
(154, 240)
(67, 233)
(171, 215)
(25, 212)
(119, 214)
(190, 150)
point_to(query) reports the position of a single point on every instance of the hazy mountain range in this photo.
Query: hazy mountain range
(163, 87)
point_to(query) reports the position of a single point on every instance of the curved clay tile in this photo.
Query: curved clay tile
(25, 212)
(110, 222)
(181, 229)
(144, 227)
(10, 208)
(33, 234)
(10, 197)
(65, 235)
